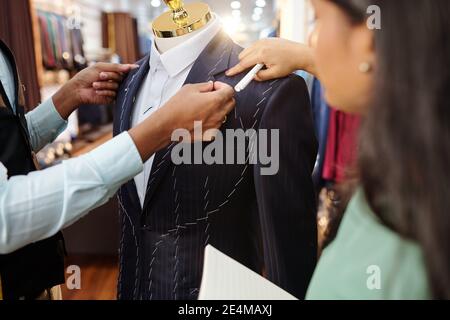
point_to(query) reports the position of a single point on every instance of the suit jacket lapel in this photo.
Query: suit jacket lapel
(211, 62)
(131, 91)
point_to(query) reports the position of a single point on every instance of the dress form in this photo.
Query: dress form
(180, 24)
(165, 44)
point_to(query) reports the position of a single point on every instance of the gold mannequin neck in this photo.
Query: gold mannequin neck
(181, 20)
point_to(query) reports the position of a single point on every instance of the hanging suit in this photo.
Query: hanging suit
(268, 223)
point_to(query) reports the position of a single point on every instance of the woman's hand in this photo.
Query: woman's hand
(281, 57)
(97, 84)
(208, 103)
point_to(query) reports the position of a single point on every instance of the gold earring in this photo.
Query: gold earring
(365, 67)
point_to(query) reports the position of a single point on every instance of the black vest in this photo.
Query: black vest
(27, 272)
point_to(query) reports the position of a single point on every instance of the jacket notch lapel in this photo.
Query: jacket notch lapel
(131, 90)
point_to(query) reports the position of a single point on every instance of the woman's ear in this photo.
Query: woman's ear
(313, 36)
(363, 48)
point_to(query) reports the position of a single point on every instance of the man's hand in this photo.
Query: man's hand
(94, 85)
(206, 102)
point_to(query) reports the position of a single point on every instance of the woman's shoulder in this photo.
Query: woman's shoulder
(367, 260)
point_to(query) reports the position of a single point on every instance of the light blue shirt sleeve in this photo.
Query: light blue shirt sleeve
(45, 124)
(37, 206)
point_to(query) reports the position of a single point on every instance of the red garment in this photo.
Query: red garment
(47, 50)
(341, 151)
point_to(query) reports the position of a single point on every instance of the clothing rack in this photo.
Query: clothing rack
(62, 47)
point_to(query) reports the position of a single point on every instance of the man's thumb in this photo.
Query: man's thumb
(205, 87)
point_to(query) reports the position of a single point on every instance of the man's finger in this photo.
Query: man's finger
(204, 87)
(224, 90)
(104, 85)
(106, 93)
(230, 106)
(105, 76)
(114, 67)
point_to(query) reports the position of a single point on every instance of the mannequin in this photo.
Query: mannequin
(165, 44)
(181, 24)
(171, 212)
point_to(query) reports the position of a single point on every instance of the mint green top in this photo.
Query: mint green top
(368, 261)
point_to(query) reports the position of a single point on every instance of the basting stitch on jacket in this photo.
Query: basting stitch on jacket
(124, 211)
(177, 212)
(122, 128)
(251, 146)
(206, 207)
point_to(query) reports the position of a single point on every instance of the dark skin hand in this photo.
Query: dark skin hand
(206, 102)
(94, 85)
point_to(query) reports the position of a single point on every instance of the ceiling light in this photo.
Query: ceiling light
(256, 17)
(155, 3)
(261, 3)
(235, 5)
(258, 10)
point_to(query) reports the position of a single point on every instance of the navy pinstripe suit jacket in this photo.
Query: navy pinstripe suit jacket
(268, 223)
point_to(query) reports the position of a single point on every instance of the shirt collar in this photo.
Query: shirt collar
(182, 56)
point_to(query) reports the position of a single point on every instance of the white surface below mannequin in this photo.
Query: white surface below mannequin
(165, 44)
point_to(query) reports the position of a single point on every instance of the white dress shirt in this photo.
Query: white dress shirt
(168, 72)
(37, 206)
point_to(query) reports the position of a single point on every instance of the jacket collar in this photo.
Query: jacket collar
(186, 53)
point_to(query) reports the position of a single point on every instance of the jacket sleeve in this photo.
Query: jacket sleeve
(286, 200)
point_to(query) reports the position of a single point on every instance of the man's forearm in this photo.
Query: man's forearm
(37, 206)
(65, 101)
(152, 135)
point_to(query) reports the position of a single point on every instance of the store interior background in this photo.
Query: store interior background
(80, 32)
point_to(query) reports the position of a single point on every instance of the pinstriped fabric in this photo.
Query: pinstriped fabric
(127, 218)
(127, 224)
